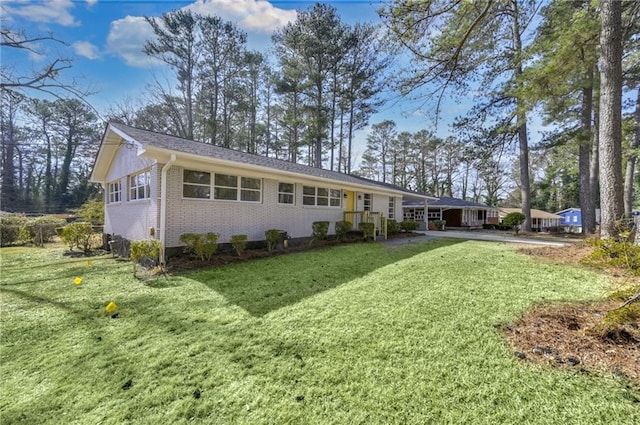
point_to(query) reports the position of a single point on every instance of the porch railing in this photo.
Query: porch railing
(377, 218)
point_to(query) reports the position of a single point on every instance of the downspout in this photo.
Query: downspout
(163, 207)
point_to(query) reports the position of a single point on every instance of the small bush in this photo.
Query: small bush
(239, 243)
(272, 237)
(146, 248)
(190, 242)
(368, 230)
(12, 229)
(489, 226)
(320, 229)
(79, 234)
(514, 220)
(439, 224)
(409, 225)
(622, 316)
(611, 253)
(202, 246)
(342, 228)
(393, 227)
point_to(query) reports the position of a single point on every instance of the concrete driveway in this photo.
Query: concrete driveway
(506, 237)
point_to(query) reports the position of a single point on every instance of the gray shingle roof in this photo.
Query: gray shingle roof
(445, 201)
(178, 144)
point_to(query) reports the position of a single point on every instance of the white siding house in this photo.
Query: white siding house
(160, 186)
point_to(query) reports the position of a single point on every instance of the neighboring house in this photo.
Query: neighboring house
(571, 220)
(160, 186)
(540, 220)
(456, 212)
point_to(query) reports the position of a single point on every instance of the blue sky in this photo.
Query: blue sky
(105, 38)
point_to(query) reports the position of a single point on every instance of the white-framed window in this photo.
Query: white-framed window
(139, 186)
(367, 202)
(196, 184)
(321, 196)
(392, 207)
(575, 218)
(226, 187)
(286, 193)
(114, 192)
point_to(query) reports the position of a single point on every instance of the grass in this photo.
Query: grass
(352, 334)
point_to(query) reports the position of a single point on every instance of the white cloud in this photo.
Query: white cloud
(127, 35)
(250, 15)
(126, 39)
(91, 2)
(54, 11)
(86, 49)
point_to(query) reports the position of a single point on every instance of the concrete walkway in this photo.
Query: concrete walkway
(472, 235)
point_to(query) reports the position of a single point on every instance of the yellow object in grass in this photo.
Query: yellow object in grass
(111, 307)
(88, 262)
(77, 280)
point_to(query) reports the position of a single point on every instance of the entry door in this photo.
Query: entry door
(351, 201)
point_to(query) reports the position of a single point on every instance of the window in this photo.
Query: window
(286, 193)
(114, 191)
(392, 207)
(139, 187)
(367, 202)
(575, 218)
(321, 196)
(197, 184)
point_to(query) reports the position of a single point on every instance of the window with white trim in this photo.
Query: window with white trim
(139, 186)
(321, 196)
(286, 193)
(392, 207)
(114, 192)
(367, 202)
(197, 184)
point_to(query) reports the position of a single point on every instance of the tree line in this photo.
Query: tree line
(569, 62)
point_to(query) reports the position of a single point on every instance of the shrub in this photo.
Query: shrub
(368, 230)
(320, 229)
(272, 236)
(342, 228)
(393, 227)
(409, 225)
(202, 246)
(146, 248)
(239, 243)
(190, 242)
(439, 224)
(78, 234)
(92, 211)
(514, 220)
(41, 230)
(489, 226)
(611, 253)
(12, 229)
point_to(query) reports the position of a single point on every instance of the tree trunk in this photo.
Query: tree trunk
(587, 206)
(611, 185)
(523, 142)
(631, 164)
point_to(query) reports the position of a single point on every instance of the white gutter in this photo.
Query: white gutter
(163, 207)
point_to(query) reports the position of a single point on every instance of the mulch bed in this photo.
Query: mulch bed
(572, 335)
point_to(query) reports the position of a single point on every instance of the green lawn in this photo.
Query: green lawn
(347, 335)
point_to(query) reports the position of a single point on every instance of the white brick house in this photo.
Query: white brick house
(160, 186)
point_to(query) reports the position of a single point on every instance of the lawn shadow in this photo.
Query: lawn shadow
(266, 285)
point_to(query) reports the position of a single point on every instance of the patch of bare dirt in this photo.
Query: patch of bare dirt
(572, 335)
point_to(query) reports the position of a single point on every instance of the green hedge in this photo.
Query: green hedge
(368, 230)
(342, 228)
